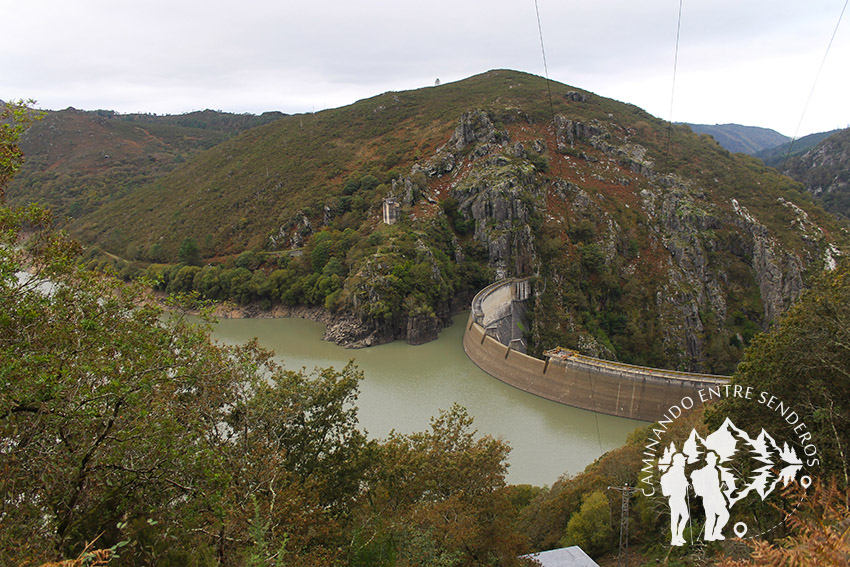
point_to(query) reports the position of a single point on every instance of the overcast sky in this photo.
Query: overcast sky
(739, 61)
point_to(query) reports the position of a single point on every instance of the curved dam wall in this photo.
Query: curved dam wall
(492, 340)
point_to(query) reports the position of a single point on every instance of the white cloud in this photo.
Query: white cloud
(739, 61)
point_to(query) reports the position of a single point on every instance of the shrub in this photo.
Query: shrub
(590, 528)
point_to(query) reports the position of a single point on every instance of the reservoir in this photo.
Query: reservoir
(404, 386)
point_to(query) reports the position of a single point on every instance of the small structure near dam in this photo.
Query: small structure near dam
(493, 341)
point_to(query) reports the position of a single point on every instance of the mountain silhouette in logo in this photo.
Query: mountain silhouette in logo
(733, 446)
(712, 468)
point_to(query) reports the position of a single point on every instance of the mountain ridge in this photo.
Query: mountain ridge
(742, 139)
(778, 155)
(824, 170)
(649, 243)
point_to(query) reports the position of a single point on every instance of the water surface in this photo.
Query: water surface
(405, 385)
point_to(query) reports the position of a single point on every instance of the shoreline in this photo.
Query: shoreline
(343, 329)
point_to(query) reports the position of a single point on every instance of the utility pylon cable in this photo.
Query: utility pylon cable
(814, 85)
(673, 88)
(546, 72)
(595, 409)
(542, 48)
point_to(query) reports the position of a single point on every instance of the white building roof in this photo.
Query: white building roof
(564, 557)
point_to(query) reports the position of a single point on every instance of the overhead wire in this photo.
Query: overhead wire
(546, 72)
(552, 110)
(814, 85)
(673, 89)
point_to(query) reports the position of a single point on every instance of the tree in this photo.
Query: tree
(804, 360)
(189, 253)
(590, 528)
(440, 494)
(15, 118)
(101, 402)
(121, 422)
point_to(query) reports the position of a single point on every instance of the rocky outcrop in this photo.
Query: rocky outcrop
(779, 273)
(503, 200)
(825, 172)
(476, 127)
(421, 329)
(687, 226)
(683, 221)
(352, 332)
(568, 132)
(500, 193)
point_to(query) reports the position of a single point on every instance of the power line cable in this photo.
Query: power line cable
(546, 72)
(673, 88)
(595, 409)
(814, 85)
(543, 51)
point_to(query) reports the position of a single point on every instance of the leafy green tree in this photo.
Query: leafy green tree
(184, 280)
(156, 253)
(590, 528)
(15, 118)
(122, 422)
(804, 360)
(368, 182)
(441, 494)
(321, 252)
(103, 404)
(312, 421)
(189, 253)
(248, 259)
(334, 267)
(207, 283)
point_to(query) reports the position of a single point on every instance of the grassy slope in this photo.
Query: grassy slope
(255, 183)
(78, 160)
(239, 192)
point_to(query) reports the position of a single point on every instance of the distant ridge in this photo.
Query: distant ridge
(775, 156)
(825, 171)
(742, 139)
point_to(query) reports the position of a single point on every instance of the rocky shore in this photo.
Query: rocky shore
(346, 329)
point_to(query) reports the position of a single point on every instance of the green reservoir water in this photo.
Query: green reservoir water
(405, 385)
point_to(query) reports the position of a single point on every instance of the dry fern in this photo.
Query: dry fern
(821, 535)
(88, 558)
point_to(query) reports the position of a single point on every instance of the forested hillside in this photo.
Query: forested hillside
(825, 172)
(650, 244)
(744, 139)
(777, 156)
(78, 160)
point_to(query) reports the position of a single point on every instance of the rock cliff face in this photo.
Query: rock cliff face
(499, 188)
(498, 195)
(712, 271)
(502, 196)
(649, 267)
(825, 172)
(779, 274)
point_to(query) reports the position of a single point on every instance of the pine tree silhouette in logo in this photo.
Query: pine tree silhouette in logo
(706, 467)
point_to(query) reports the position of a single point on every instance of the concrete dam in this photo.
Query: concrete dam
(493, 341)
